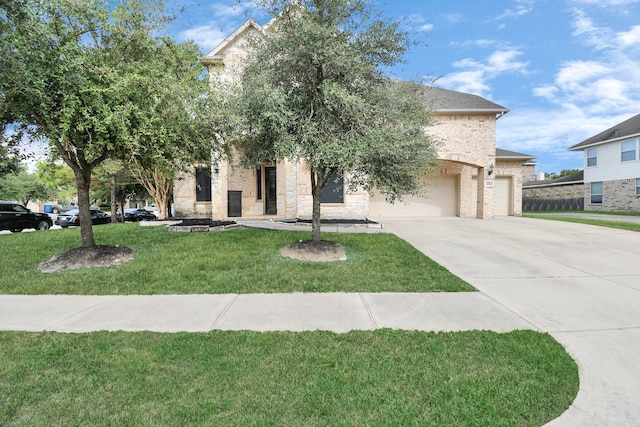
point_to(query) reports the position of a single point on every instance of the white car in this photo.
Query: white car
(152, 208)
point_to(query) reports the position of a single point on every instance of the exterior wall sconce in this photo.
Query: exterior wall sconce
(491, 169)
(216, 169)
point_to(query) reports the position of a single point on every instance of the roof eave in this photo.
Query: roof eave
(579, 147)
(554, 184)
(501, 111)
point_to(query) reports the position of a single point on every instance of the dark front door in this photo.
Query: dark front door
(271, 202)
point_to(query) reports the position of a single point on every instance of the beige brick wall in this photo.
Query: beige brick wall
(572, 191)
(514, 170)
(617, 196)
(470, 140)
(184, 198)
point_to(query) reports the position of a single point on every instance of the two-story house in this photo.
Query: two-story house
(475, 179)
(612, 168)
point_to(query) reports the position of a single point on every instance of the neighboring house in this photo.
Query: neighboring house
(612, 168)
(566, 193)
(475, 180)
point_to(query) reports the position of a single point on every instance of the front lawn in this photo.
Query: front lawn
(241, 260)
(629, 226)
(384, 377)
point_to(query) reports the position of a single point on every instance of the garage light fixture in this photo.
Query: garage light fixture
(491, 169)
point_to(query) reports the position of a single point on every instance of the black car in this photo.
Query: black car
(72, 218)
(15, 217)
(134, 214)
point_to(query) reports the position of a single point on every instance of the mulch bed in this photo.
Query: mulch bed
(308, 250)
(94, 256)
(204, 221)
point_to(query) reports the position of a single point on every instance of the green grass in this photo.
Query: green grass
(529, 213)
(236, 261)
(630, 226)
(384, 377)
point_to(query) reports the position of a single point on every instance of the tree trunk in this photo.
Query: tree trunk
(157, 184)
(316, 192)
(83, 180)
(114, 202)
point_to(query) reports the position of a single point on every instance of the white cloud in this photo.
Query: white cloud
(522, 7)
(630, 38)
(605, 3)
(575, 73)
(418, 23)
(607, 83)
(205, 36)
(586, 96)
(465, 81)
(475, 76)
(221, 10)
(452, 18)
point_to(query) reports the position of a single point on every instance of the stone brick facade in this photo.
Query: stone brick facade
(617, 196)
(470, 141)
(560, 191)
(467, 148)
(512, 169)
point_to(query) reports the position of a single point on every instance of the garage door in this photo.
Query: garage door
(504, 196)
(441, 200)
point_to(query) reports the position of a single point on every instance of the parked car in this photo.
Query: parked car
(72, 218)
(63, 207)
(15, 217)
(134, 214)
(67, 206)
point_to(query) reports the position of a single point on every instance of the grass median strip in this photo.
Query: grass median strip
(379, 377)
(630, 226)
(241, 260)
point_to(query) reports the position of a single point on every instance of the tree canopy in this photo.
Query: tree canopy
(314, 90)
(77, 73)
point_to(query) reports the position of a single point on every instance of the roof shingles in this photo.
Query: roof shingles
(627, 128)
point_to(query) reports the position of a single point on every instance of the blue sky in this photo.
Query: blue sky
(567, 69)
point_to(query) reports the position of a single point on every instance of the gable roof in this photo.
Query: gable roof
(626, 129)
(511, 155)
(216, 53)
(576, 178)
(450, 101)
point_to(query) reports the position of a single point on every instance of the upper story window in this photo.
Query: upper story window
(592, 157)
(628, 151)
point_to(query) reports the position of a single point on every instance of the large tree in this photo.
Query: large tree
(314, 89)
(23, 187)
(68, 74)
(174, 122)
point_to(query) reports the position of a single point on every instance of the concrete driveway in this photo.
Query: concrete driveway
(579, 283)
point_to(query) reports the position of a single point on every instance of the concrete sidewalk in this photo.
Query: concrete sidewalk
(338, 312)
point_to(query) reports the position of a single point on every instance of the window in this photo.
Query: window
(628, 151)
(596, 193)
(637, 186)
(203, 184)
(259, 183)
(333, 192)
(592, 157)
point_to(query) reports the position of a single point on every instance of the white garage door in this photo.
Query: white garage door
(504, 196)
(441, 200)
